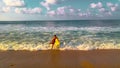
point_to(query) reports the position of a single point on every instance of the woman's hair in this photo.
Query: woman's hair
(55, 35)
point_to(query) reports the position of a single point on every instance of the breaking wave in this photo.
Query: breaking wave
(40, 28)
(33, 47)
(73, 36)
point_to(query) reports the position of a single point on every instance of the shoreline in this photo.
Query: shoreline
(60, 59)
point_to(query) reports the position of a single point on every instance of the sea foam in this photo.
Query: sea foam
(81, 35)
(34, 47)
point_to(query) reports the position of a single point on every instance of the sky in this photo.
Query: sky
(12, 10)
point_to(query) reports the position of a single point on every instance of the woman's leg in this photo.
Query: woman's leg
(52, 46)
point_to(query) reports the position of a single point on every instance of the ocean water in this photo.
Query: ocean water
(74, 35)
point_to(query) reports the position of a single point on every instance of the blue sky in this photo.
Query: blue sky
(59, 9)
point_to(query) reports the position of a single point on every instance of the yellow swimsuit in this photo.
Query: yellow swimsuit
(56, 44)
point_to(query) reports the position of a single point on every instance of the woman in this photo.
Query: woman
(55, 42)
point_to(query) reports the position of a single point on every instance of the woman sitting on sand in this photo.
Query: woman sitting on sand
(55, 42)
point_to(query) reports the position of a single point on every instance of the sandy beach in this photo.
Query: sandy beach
(60, 59)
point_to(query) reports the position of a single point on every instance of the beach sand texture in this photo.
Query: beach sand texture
(60, 59)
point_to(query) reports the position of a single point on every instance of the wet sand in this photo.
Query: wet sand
(60, 59)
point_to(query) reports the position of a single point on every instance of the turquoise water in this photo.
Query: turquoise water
(75, 35)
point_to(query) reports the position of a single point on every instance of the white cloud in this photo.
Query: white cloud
(93, 5)
(108, 13)
(99, 5)
(80, 14)
(96, 5)
(79, 10)
(102, 9)
(5, 9)
(113, 7)
(61, 10)
(110, 4)
(72, 10)
(14, 2)
(37, 10)
(17, 10)
(51, 1)
(51, 13)
(28, 10)
(48, 3)
(84, 14)
(66, 11)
